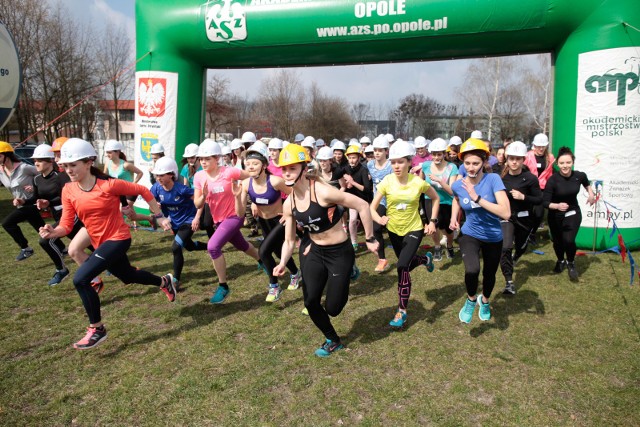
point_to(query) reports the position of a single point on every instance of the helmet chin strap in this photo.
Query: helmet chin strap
(291, 184)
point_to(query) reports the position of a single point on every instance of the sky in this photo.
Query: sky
(379, 84)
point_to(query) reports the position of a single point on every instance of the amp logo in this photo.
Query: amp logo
(225, 20)
(621, 80)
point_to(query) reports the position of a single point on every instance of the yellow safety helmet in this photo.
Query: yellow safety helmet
(473, 144)
(5, 147)
(58, 143)
(292, 154)
(353, 149)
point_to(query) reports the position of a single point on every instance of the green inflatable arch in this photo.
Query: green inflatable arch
(595, 46)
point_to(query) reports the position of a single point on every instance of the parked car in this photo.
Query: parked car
(24, 153)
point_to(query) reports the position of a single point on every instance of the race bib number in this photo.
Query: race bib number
(570, 213)
(523, 214)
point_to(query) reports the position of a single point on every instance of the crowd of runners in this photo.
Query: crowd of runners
(319, 199)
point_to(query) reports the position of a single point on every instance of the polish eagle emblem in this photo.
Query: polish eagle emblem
(151, 97)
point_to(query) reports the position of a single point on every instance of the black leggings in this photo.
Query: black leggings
(330, 267)
(25, 213)
(563, 233)
(111, 255)
(378, 229)
(470, 248)
(273, 233)
(183, 239)
(406, 248)
(54, 247)
(206, 221)
(513, 232)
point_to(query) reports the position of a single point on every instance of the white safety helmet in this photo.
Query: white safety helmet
(368, 149)
(225, 150)
(353, 141)
(455, 140)
(401, 149)
(420, 142)
(77, 149)
(400, 140)
(325, 153)
(298, 138)
(165, 165)
(339, 145)
(275, 144)
(476, 134)
(437, 144)
(355, 144)
(285, 143)
(235, 144)
(390, 138)
(191, 150)
(319, 143)
(113, 145)
(541, 140)
(517, 149)
(43, 151)
(209, 148)
(365, 140)
(309, 141)
(156, 148)
(380, 142)
(333, 142)
(259, 148)
(248, 137)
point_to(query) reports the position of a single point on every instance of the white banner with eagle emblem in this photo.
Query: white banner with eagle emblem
(156, 106)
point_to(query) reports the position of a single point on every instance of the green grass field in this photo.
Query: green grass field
(558, 353)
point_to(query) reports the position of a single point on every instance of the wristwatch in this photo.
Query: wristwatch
(434, 220)
(371, 240)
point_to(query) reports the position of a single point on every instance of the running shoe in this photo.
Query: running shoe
(466, 314)
(24, 254)
(450, 253)
(93, 337)
(176, 283)
(274, 293)
(429, 263)
(437, 254)
(328, 348)
(220, 295)
(355, 273)
(509, 288)
(168, 287)
(295, 281)
(573, 272)
(305, 311)
(484, 313)
(355, 246)
(97, 284)
(383, 265)
(399, 319)
(560, 266)
(58, 277)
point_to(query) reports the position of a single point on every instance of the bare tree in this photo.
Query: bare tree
(220, 112)
(418, 115)
(114, 55)
(328, 117)
(536, 92)
(361, 111)
(281, 102)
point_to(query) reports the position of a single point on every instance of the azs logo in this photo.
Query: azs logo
(617, 80)
(225, 20)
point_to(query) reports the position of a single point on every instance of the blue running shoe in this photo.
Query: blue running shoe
(429, 263)
(355, 273)
(484, 313)
(466, 314)
(328, 348)
(399, 319)
(219, 296)
(58, 277)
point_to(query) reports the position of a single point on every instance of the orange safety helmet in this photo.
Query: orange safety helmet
(58, 143)
(5, 147)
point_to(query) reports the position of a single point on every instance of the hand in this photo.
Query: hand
(254, 210)
(46, 231)
(18, 202)
(195, 224)
(384, 220)
(306, 250)
(517, 195)
(348, 179)
(436, 180)
(469, 188)
(205, 189)
(416, 169)
(42, 204)
(373, 247)
(236, 188)
(562, 207)
(165, 223)
(128, 212)
(453, 225)
(591, 200)
(279, 270)
(430, 228)
(28, 188)
(282, 220)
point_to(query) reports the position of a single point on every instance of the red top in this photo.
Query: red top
(99, 208)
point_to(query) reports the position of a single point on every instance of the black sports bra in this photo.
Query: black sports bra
(316, 218)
